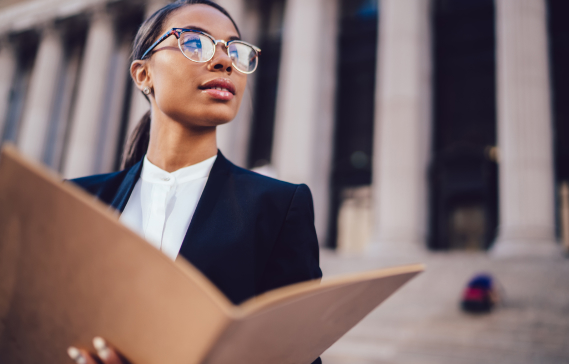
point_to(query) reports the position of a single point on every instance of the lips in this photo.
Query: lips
(219, 88)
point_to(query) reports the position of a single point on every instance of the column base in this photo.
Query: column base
(400, 252)
(514, 248)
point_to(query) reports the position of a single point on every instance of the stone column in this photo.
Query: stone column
(113, 109)
(233, 138)
(40, 99)
(139, 105)
(55, 144)
(85, 123)
(7, 69)
(302, 147)
(402, 127)
(524, 130)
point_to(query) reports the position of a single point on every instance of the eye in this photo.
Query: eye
(192, 42)
(197, 47)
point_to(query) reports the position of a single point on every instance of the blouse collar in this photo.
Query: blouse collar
(154, 174)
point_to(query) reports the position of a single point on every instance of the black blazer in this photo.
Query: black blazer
(249, 233)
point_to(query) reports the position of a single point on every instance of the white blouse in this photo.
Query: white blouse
(162, 204)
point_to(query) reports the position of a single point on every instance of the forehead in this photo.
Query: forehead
(205, 17)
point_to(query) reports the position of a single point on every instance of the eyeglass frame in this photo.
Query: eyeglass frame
(177, 32)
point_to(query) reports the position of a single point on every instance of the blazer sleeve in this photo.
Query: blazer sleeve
(295, 255)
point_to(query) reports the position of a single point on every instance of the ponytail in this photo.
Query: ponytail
(138, 142)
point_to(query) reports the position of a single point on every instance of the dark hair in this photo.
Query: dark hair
(147, 34)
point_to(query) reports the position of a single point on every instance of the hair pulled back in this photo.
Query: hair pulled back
(147, 34)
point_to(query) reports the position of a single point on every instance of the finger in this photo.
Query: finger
(80, 356)
(105, 352)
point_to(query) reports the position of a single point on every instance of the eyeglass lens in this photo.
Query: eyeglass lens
(243, 56)
(197, 47)
(200, 48)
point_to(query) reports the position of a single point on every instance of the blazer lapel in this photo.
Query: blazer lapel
(126, 187)
(217, 179)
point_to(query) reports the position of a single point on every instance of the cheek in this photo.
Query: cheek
(177, 94)
(172, 79)
(240, 84)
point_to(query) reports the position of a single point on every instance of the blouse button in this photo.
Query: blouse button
(166, 179)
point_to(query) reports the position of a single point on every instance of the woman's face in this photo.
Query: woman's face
(184, 90)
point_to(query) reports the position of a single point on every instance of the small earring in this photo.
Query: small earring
(146, 91)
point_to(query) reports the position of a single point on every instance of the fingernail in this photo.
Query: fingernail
(76, 355)
(101, 347)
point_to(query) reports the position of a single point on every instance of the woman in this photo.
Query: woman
(247, 233)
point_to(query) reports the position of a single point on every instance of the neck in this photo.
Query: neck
(173, 146)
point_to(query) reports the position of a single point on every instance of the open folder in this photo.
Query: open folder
(70, 271)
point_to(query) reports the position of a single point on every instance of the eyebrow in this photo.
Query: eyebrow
(193, 27)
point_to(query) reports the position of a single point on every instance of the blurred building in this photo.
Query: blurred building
(440, 124)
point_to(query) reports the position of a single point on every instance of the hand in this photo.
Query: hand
(105, 354)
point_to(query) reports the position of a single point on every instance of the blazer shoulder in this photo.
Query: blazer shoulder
(102, 185)
(264, 183)
(97, 180)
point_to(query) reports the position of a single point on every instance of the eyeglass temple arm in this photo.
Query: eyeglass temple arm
(160, 40)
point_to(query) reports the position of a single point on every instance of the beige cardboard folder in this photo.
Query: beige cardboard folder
(69, 271)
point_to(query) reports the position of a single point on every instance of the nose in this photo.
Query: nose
(221, 60)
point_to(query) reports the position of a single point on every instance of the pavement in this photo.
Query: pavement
(422, 323)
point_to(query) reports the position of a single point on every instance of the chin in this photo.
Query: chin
(212, 115)
(216, 122)
(208, 120)
(217, 115)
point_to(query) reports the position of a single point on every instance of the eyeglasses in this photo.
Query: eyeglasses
(198, 46)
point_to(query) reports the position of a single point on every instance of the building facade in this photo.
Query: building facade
(417, 124)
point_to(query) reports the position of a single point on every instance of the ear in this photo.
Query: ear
(140, 75)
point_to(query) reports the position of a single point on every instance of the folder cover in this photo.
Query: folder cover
(70, 271)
